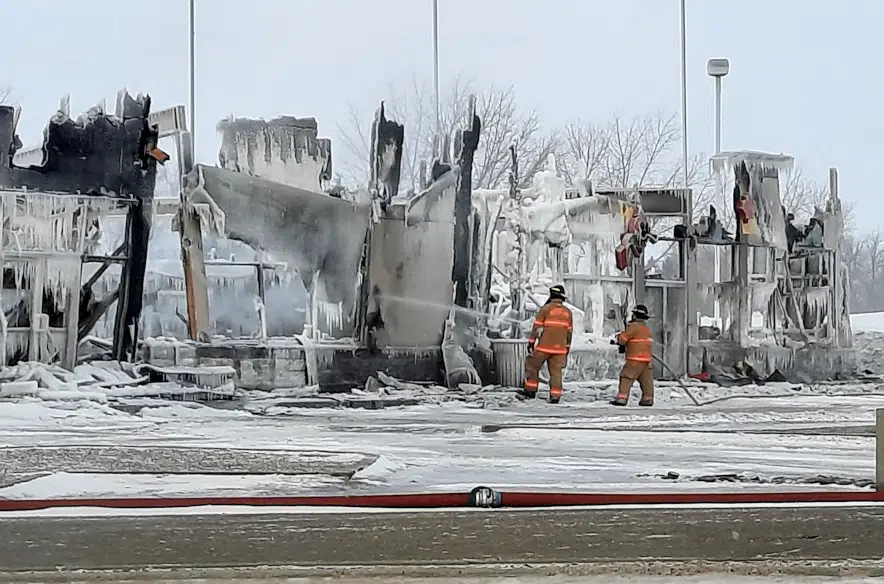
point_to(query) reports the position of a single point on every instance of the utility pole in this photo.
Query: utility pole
(684, 94)
(192, 104)
(435, 66)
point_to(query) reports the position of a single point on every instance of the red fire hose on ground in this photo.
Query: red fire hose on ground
(479, 497)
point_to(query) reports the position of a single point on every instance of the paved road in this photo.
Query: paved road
(449, 537)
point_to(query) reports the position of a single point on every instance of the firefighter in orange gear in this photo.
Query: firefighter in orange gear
(549, 343)
(636, 340)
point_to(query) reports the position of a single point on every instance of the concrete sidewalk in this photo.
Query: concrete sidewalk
(766, 539)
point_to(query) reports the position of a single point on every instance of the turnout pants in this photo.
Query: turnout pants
(636, 371)
(554, 363)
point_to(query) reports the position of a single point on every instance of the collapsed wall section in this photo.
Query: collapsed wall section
(318, 236)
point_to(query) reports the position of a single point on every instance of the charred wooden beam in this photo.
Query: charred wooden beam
(131, 301)
(463, 207)
(387, 137)
(91, 310)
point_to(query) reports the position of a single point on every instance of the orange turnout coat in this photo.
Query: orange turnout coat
(637, 340)
(553, 328)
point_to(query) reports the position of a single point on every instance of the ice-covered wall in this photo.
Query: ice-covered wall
(85, 163)
(32, 156)
(42, 244)
(286, 150)
(757, 175)
(412, 255)
(318, 236)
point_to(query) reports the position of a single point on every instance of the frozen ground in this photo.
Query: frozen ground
(774, 437)
(581, 445)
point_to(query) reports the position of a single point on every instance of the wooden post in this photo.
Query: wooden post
(879, 449)
(259, 269)
(193, 260)
(72, 324)
(72, 302)
(192, 255)
(36, 309)
(639, 291)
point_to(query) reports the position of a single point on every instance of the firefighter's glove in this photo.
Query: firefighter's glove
(614, 342)
(530, 347)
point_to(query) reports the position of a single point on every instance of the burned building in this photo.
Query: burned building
(435, 285)
(52, 206)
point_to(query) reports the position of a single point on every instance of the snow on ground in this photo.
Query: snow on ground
(86, 511)
(869, 322)
(120, 485)
(779, 436)
(583, 444)
(868, 340)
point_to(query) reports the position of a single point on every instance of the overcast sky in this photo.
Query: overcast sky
(807, 76)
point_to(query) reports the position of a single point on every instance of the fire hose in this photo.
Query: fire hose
(678, 380)
(479, 497)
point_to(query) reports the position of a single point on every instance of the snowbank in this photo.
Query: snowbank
(867, 322)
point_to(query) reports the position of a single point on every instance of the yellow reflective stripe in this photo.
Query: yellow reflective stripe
(538, 322)
(558, 350)
(554, 322)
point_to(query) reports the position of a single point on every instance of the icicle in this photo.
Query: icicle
(333, 314)
(4, 338)
(262, 315)
(726, 161)
(761, 294)
(817, 300)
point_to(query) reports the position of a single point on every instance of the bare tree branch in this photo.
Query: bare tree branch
(5, 95)
(642, 151)
(356, 144)
(800, 194)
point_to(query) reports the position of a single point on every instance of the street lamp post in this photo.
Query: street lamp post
(718, 70)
